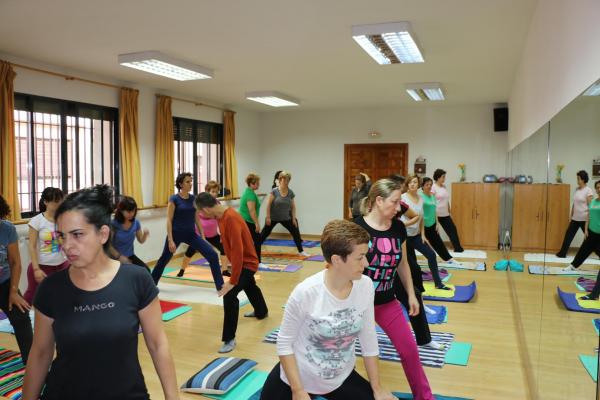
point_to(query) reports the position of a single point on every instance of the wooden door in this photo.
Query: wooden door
(376, 160)
(463, 212)
(487, 215)
(529, 224)
(557, 215)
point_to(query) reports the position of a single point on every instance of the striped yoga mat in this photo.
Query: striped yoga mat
(12, 371)
(387, 351)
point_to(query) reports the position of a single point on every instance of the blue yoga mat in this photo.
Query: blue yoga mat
(570, 302)
(462, 294)
(290, 243)
(596, 323)
(440, 316)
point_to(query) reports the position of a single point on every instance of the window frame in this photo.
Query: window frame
(197, 126)
(68, 108)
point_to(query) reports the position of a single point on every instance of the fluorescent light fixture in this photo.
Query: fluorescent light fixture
(158, 63)
(593, 90)
(425, 91)
(389, 43)
(273, 99)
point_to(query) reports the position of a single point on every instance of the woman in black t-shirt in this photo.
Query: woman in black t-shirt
(92, 313)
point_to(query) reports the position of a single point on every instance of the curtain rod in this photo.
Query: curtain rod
(74, 78)
(67, 77)
(196, 103)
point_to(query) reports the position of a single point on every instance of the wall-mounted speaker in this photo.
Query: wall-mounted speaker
(501, 119)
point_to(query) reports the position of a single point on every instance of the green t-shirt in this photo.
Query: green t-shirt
(594, 224)
(249, 195)
(429, 205)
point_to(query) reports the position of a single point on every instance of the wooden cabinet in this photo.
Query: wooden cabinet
(475, 210)
(540, 216)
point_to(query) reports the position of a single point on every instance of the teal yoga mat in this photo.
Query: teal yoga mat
(458, 353)
(169, 315)
(408, 396)
(590, 363)
(247, 388)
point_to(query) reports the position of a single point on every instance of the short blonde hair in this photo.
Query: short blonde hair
(252, 178)
(285, 174)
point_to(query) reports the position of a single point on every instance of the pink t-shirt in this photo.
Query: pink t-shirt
(443, 199)
(210, 226)
(580, 203)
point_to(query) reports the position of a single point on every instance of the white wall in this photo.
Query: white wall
(311, 145)
(560, 59)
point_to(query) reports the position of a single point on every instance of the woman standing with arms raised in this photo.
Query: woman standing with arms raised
(386, 258)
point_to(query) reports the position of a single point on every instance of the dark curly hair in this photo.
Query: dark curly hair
(4, 208)
(180, 178)
(125, 204)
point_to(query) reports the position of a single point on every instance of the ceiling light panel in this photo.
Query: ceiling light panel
(389, 43)
(158, 63)
(425, 91)
(593, 90)
(273, 99)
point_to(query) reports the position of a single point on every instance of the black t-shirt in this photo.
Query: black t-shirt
(384, 256)
(96, 334)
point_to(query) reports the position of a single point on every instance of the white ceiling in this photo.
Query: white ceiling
(301, 48)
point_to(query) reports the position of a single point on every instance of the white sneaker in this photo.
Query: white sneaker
(434, 345)
(429, 310)
(304, 254)
(227, 346)
(568, 268)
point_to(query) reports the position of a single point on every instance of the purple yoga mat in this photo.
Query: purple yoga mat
(200, 261)
(428, 277)
(586, 283)
(292, 268)
(316, 257)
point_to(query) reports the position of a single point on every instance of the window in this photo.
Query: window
(63, 144)
(198, 149)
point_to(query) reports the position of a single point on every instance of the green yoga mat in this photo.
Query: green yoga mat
(245, 388)
(590, 363)
(169, 315)
(458, 353)
(409, 396)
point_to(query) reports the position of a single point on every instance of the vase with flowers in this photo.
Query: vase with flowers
(462, 167)
(559, 169)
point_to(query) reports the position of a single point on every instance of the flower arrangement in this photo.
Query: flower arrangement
(559, 169)
(462, 168)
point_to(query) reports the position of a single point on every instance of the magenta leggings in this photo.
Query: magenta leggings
(390, 318)
(32, 284)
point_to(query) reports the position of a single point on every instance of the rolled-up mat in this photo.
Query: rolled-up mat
(570, 302)
(246, 388)
(590, 363)
(547, 270)
(459, 294)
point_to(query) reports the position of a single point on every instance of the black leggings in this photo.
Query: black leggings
(590, 244)
(355, 387)
(416, 243)
(266, 231)
(255, 238)
(418, 322)
(450, 229)
(215, 241)
(136, 260)
(19, 320)
(436, 242)
(569, 235)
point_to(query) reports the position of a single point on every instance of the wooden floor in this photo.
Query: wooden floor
(525, 344)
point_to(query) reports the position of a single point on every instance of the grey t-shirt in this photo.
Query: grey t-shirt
(8, 235)
(281, 207)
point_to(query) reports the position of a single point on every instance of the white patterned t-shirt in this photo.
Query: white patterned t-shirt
(320, 330)
(49, 245)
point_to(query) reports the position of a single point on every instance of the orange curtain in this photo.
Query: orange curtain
(164, 180)
(231, 181)
(8, 153)
(130, 151)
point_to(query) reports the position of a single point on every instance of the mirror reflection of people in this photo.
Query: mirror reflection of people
(443, 208)
(323, 316)
(591, 243)
(579, 211)
(362, 184)
(91, 314)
